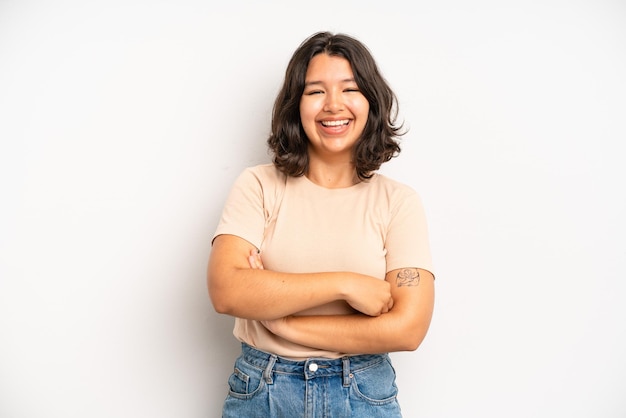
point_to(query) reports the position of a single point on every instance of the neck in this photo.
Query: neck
(332, 176)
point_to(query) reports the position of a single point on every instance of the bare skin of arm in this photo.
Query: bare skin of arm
(239, 286)
(401, 329)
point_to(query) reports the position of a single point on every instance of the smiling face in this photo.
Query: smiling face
(332, 109)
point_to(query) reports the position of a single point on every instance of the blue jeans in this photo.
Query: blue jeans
(264, 385)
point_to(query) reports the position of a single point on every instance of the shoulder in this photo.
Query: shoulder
(395, 196)
(391, 187)
(264, 174)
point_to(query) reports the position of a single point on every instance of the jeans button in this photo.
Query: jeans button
(313, 367)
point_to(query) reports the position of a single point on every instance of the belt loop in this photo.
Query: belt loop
(347, 376)
(267, 373)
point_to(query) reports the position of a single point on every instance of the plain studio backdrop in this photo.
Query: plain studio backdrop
(124, 123)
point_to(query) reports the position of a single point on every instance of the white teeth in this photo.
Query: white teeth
(335, 122)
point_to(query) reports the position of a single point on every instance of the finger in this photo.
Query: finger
(252, 261)
(386, 308)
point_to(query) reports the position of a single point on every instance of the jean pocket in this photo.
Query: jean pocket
(245, 381)
(376, 384)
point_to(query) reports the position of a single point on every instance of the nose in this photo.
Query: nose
(334, 102)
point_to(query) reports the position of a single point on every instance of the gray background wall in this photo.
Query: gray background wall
(124, 123)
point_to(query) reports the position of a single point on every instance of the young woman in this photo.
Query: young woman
(324, 263)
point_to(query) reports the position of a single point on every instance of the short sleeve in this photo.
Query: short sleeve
(407, 241)
(243, 214)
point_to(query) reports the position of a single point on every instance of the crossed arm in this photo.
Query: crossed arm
(393, 315)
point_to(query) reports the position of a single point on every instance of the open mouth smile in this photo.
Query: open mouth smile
(333, 123)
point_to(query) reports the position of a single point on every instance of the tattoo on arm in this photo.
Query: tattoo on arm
(408, 277)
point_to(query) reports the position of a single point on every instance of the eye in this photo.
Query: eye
(352, 90)
(313, 92)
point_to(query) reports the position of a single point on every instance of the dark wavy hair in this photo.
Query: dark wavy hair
(379, 142)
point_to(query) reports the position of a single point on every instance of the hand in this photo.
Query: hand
(276, 326)
(254, 259)
(369, 295)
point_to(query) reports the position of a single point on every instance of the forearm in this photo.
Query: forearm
(240, 286)
(403, 328)
(263, 294)
(356, 334)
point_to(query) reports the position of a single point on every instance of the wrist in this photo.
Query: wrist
(344, 286)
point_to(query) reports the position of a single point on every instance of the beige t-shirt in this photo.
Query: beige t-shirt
(371, 228)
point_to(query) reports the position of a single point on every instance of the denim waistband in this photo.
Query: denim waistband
(310, 368)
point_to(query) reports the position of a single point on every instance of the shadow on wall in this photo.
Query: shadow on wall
(222, 350)
(222, 343)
